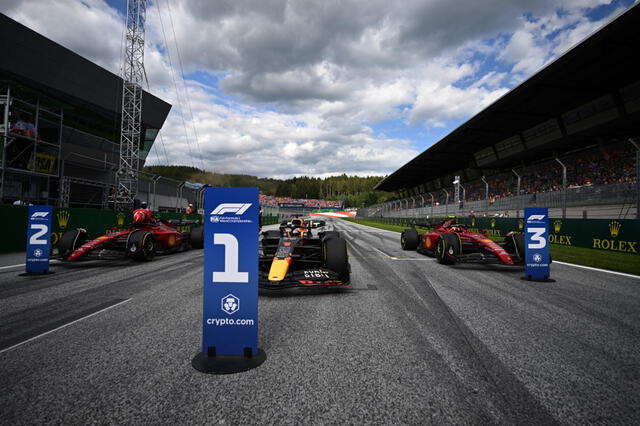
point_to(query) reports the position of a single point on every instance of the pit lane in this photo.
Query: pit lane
(411, 341)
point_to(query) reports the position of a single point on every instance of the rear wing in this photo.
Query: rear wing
(415, 224)
(303, 224)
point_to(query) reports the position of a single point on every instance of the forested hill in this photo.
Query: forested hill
(356, 191)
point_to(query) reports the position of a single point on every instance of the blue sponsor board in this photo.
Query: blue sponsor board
(536, 241)
(230, 313)
(38, 239)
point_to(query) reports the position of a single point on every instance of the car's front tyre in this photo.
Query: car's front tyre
(335, 256)
(70, 242)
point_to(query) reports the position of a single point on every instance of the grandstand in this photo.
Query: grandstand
(568, 138)
(60, 127)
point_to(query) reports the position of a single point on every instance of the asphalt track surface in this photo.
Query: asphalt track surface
(410, 342)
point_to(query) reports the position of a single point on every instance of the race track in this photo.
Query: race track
(411, 341)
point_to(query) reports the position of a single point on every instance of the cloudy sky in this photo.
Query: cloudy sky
(320, 87)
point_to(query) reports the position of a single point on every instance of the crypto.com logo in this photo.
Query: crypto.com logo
(230, 304)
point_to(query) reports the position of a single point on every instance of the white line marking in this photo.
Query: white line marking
(63, 326)
(22, 264)
(400, 258)
(384, 254)
(597, 269)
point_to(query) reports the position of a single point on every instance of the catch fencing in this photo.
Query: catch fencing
(617, 200)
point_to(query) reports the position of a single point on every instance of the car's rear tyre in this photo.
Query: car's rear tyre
(197, 237)
(330, 234)
(335, 257)
(447, 248)
(70, 242)
(141, 245)
(409, 239)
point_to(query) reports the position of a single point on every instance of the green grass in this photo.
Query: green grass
(620, 262)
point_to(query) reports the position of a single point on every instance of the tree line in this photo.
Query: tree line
(355, 191)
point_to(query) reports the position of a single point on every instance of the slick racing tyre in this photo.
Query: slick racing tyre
(448, 247)
(409, 239)
(514, 243)
(70, 241)
(330, 234)
(335, 256)
(197, 237)
(141, 245)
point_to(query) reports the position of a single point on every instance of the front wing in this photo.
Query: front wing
(312, 277)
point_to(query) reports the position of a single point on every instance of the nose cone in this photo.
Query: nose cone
(279, 269)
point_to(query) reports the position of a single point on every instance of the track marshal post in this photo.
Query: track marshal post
(536, 244)
(230, 305)
(38, 250)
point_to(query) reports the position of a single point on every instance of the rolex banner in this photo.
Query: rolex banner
(618, 235)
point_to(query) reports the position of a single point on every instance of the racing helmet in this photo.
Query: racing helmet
(139, 217)
(143, 205)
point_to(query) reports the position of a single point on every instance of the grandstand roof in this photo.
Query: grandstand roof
(598, 67)
(38, 62)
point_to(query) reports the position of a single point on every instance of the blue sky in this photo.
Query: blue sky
(287, 88)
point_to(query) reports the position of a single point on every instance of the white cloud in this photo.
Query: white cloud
(305, 80)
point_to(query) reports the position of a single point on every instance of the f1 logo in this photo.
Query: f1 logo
(237, 208)
(535, 217)
(39, 215)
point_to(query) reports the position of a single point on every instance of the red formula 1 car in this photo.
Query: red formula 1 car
(295, 257)
(146, 237)
(451, 242)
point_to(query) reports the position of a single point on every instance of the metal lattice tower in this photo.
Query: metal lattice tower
(130, 129)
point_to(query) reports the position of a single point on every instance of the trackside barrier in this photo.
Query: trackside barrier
(96, 222)
(230, 280)
(269, 220)
(612, 235)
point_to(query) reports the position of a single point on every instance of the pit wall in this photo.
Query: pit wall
(613, 235)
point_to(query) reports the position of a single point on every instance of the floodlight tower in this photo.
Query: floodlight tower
(130, 128)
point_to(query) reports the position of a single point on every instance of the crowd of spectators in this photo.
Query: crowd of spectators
(271, 201)
(593, 167)
(597, 166)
